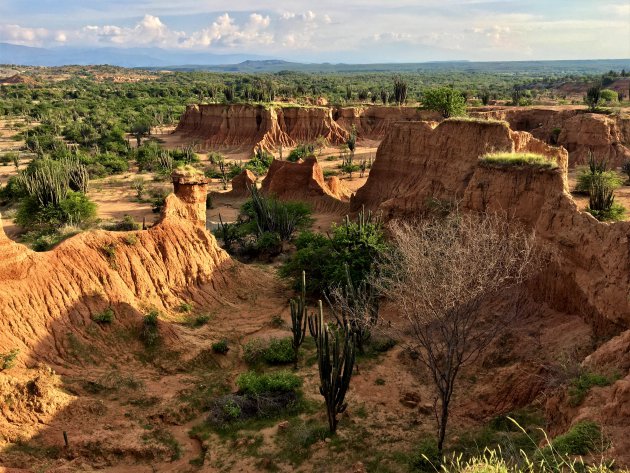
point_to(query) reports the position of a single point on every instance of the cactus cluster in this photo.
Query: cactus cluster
(271, 216)
(49, 181)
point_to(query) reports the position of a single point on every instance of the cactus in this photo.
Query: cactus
(400, 91)
(272, 216)
(46, 181)
(601, 195)
(335, 360)
(299, 319)
(49, 181)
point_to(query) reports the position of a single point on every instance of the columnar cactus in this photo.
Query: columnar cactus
(335, 359)
(299, 319)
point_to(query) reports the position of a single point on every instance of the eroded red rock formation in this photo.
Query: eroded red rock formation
(607, 137)
(47, 299)
(304, 181)
(255, 126)
(417, 165)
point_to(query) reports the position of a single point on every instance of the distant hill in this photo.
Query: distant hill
(594, 66)
(156, 58)
(124, 57)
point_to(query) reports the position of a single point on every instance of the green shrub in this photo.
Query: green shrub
(127, 224)
(585, 180)
(199, 320)
(253, 351)
(355, 244)
(105, 317)
(74, 209)
(583, 438)
(279, 351)
(581, 386)
(77, 209)
(7, 359)
(260, 162)
(275, 351)
(220, 347)
(518, 159)
(150, 333)
(269, 242)
(185, 307)
(426, 458)
(258, 384)
(445, 100)
(273, 216)
(231, 409)
(608, 95)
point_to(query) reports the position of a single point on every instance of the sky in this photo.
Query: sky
(354, 31)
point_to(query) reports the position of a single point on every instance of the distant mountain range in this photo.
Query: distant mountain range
(156, 58)
(123, 57)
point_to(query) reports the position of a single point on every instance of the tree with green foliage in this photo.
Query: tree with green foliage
(445, 100)
(140, 129)
(608, 95)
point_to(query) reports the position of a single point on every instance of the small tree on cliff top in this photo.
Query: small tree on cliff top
(445, 100)
(443, 276)
(593, 97)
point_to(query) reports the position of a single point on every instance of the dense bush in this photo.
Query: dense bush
(260, 162)
(75, 209)
(127, 224)
(583, 438)
(608, 95)
(259, 396)
(221, 347)
(276, 351)
(586, 177)
(150, 333)
(105, 317)
(7, 359)
(355, 244)
(259, 384)
(581, 386)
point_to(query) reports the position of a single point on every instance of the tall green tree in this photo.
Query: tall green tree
(445, 100)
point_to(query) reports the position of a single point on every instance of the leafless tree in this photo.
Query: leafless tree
(442, 275)
(356, 307)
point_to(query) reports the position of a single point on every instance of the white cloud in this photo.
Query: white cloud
(361, 30)
(25, 36)
(148, 31)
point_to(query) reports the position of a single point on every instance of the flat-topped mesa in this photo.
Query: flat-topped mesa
(579, 132)
(249, 127)
(419, 163)
(189, 199)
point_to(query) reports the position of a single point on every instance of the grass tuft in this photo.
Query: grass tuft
(518, 160)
